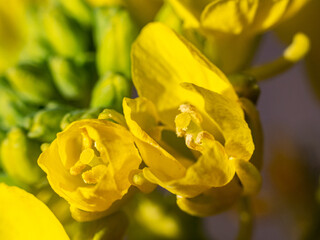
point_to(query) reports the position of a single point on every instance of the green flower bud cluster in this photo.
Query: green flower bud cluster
(74, 62)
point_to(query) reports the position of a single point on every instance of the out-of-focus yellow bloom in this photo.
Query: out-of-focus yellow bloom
(89, 164)
(232, 27)
(143, 11)
(235, 16)
(24, 217)
(304, 21)
(218, 142)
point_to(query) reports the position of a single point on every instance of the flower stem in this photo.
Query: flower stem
(245, 220)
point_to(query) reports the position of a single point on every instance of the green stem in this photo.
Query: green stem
(245, 220)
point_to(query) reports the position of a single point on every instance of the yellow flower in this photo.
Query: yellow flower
(232, 27)
(170, 74)
(24, 217)
(235, 16)
(304, 22)
(89, 165)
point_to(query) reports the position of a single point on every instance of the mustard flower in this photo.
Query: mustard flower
(89, 165)
(304, 22)
(182, 92)
(232, 28)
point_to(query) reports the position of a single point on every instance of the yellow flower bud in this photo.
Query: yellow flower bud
(19, 156)
(115, 32)
(89, 164)
(110, 90)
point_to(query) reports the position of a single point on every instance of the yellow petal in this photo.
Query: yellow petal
(230, 118)
(229, 16)
(294, 7)
(60, 179)
(112, 115)
(143, 112)
(249, 176)
(24, 217)
(188, 13)
(254, 122)
(138, 180)
(116, 144)
(213, 201)
(160, 162)
(269, 13)
(212, 169)
(161, 60)
(84, 216)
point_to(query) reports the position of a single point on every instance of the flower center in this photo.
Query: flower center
(89, 158)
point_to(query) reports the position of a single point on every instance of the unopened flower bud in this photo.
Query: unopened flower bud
(110, 90)
(19, 156)
(46, 123)
(32, 82)
(115, 32)
(79, 10)
(13, 109)
(79, 114)
(64, 35)
(72, 81)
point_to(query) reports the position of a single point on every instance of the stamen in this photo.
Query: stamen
(94, 175)
(86, 157)
(86, 140)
